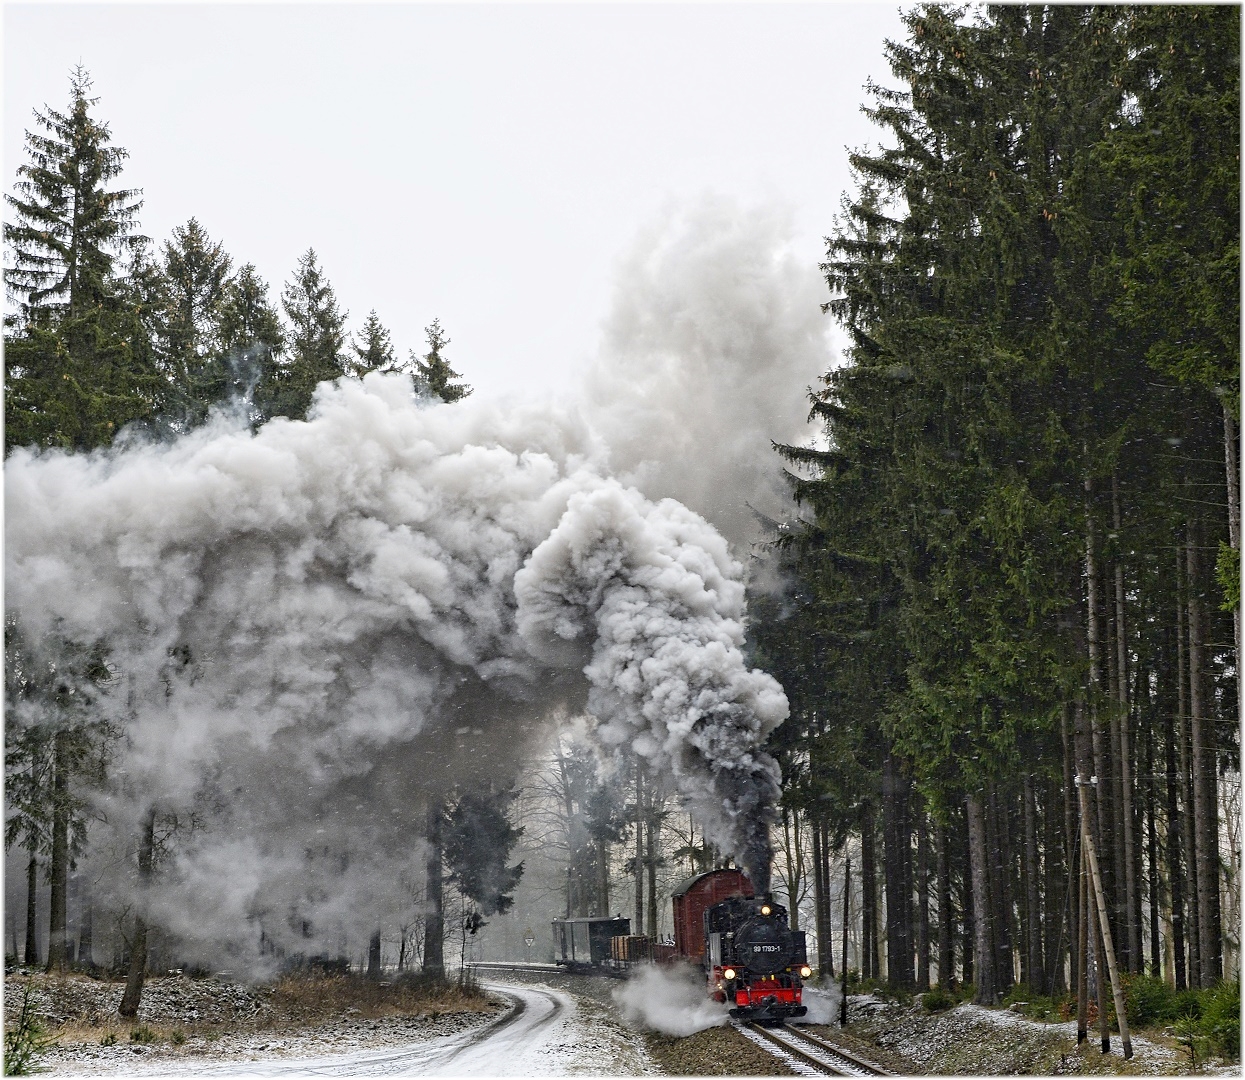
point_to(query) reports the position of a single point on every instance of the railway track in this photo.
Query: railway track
(807, 1054)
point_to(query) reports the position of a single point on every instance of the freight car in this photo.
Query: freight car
(751, 958)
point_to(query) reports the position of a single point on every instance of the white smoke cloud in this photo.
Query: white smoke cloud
(319, 625)
(671, 1000)
(714, 336)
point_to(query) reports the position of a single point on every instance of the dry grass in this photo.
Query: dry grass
(310, 997)
(78, 1014)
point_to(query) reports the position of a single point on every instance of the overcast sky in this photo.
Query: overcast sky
(488, 165)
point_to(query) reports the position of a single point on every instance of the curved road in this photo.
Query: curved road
(525, 1041)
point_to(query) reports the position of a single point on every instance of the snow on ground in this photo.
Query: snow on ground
(545, 1032)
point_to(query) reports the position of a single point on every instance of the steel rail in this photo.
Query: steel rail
(867, 1067)
(823, 1057)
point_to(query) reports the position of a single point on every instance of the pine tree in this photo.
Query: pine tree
(433, 375)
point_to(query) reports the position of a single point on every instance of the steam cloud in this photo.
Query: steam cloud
(319, 625)
(671, 1000)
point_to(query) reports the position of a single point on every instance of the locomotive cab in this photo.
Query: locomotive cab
(754, 961)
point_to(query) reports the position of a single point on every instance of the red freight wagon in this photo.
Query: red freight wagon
(693, 898)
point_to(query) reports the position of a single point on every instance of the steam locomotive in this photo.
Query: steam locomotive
(751, 958)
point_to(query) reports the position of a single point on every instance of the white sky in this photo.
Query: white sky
(484, 164)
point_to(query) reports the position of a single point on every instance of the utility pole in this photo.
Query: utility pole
(1091, 859)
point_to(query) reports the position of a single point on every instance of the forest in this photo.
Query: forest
(1009, 614)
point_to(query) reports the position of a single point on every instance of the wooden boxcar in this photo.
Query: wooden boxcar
(693, 898)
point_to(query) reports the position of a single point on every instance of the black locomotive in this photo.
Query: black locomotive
(754, 961)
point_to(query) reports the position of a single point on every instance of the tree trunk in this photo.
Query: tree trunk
(638, 875)
(373, 956)
(434, 919)
(1175, 875)
(1033, 915)
(898, 921)
(847, 908)
(1132, 904)
(869, 893)
(1153, 884)
(1071, 843)
(998, 892)
(1055, 908)
(922, 896)
(650, 861)
(32, 922)
(821, 901)
(1232, 464)
(1205, 809)
(983, 946)
(946, 945)
(58, 871)
(1101, 753)
(1187, 835)
(86, 957)
(968, 940)
(137, 976)
(1082, 950)
(603, 872)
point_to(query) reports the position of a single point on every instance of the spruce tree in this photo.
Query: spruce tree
(77, 363)
(433, 375)
(372, 348)
(251, 338)
(68, 226)
(316, 343)
(194, 283)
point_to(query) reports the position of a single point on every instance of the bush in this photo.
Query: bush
(1221, 1018)
(143, 1034)
(26, 1040)
(937, 1000)
(1148, 1000)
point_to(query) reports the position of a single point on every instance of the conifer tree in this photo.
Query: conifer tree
(373, 349)
(77, 365)
(433, 375)
(316, 343)
(68, 226)
(250, 334)
(193, 286)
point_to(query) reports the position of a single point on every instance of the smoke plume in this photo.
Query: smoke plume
(317, 626)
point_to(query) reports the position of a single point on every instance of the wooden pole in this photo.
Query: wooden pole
(1091, 856)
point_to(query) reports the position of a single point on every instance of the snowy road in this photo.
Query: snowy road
(546, 1033)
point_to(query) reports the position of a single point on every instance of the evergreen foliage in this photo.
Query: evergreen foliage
(478, 839)
(1038, 234)
(76, 369)
(68, 225)
(373, 349)
(316, 343)
(433, 375)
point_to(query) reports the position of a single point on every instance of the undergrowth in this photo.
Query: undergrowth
(25, 1040)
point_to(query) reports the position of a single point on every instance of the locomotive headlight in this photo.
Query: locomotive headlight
(728, 974)
(766, 909)
(805, 971)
